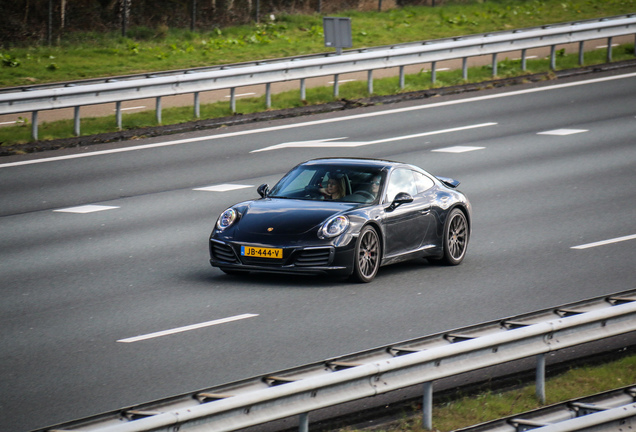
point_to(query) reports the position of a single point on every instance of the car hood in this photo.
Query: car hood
(277, 216)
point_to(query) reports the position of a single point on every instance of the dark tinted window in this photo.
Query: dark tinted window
(359, 184)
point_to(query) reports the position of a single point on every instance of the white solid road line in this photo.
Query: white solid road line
(186, 328)
(316, 122)
(605, 242)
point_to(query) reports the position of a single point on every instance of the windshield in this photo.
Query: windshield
(330, 182)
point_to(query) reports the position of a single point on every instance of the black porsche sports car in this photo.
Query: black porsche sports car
(344, 217)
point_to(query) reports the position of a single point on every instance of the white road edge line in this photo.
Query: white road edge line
(605, 242)
(315, 122)
(187, 328)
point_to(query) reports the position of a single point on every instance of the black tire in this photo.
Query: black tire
(366, 260)
(455, 238)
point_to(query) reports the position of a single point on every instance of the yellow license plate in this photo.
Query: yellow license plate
(260, 252)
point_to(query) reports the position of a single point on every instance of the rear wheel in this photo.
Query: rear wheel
(455, 238)
(367, 255)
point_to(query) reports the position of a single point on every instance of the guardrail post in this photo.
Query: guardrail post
(465, 68)
(268, 95)
(494, 65)
(336, 89)
(233, 100)
(303, 90)
(76, 121)
(303, 422)
(540, 378)
(197, 105)
(433, 72)
(581, 56)
(427, 406)
(402, 77)
(523, 59)
(158, 109)
(34, 125)
(609, 49)
(118, 114)
(553, 57)
(370, 82)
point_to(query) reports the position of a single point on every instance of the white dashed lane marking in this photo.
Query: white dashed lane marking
(458, 149)
(187, 328)
(86, 209)
(223, 187)
(605, 242)
(563, 132)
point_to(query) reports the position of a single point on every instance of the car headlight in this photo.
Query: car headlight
(227, 218)
(334, 227)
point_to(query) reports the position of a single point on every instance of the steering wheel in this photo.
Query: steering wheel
(366, 194)
(313, 192)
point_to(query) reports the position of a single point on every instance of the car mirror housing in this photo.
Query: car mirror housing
(263, 190)
(400, 198)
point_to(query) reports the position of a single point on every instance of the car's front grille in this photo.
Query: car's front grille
(223, 252)
(313, 257)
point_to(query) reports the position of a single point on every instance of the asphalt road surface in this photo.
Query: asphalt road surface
(104, 250)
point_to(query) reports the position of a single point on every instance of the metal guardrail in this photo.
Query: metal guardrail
(307, 388)
(195, 81)
(609, 411)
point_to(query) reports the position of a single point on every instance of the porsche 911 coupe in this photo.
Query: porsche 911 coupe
(344, 217)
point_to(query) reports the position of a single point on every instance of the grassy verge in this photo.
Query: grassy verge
(491, 405)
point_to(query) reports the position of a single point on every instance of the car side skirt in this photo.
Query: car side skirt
(422, 252)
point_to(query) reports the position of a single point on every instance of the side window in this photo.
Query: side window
(401, 180)
(422, 182)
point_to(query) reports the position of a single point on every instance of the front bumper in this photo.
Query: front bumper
(319, 259)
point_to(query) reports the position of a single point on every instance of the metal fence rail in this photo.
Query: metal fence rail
(302, 68)
(304, 389)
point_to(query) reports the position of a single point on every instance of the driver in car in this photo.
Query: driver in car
(334, 189)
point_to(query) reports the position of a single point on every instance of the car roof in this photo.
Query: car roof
(353, 162)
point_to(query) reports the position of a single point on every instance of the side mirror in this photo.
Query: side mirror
(263, 190)
(400, 198)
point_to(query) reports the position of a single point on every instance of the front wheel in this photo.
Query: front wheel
(455, 238)
(367, 255)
